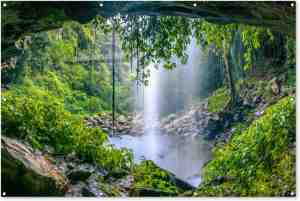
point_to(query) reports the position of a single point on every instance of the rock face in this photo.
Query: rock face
(83, 177)
(128, 125)
(29, 172)
(196, 121)
(26, 173)
(21, 18)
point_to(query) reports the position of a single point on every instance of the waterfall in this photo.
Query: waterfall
(151, 112)
(151, 100)
(169, 92)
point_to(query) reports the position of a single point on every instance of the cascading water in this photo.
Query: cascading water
(151, 113)
(170, 91)
(151, 104)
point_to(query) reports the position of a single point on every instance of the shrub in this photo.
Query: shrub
(259, 161)
(148, 175)
(219, 100)
(41, 119)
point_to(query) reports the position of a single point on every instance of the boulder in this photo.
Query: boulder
(81, 173)
(125, 183)
(85, 189)
(28, 173)
(257, 99)
(75, 190)
(212, 129)
(275, 86)
(92, 187)
(150, 192)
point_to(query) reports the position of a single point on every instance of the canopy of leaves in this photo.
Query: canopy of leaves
(153, 39)
(220, 37)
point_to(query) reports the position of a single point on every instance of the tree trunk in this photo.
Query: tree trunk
(230, 81)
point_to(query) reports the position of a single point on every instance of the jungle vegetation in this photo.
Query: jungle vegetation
(64, 75)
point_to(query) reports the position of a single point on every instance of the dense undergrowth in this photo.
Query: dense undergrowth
(70, 64)
(49, 90)
(41, 119)
(218, 100)
(251, 88)
(259, 160)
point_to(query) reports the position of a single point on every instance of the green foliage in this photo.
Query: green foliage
(253, 38)
(254, 87)
(49, 60)
(148, 175)
(291, 77)
(220, 37)
(108, 189)
(155, 39)
(40, 119)
(49, 91)
(159, 37)
(259, 161)
(218, 100)
(291, 62)
(291, 50)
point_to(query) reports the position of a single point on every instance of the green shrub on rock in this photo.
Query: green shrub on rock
(40, 119)
(260, 161)
(148, 176)
(219, 100)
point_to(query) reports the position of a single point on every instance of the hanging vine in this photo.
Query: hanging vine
(113, 73)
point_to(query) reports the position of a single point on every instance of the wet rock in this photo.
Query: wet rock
(124, 125)
(213, 128)
(237, 117)
(181, 184)
(33, 174)
(105, 129)
(150, 192)
(81, 172)
(259, 113)
(179, 130)
(62, 166)
(248, 104)
(275, 86)
(257, 99)
(71, 165)
(75, 190)
(85, 189)
(125, 183)
(71, 156)
(93, 188)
